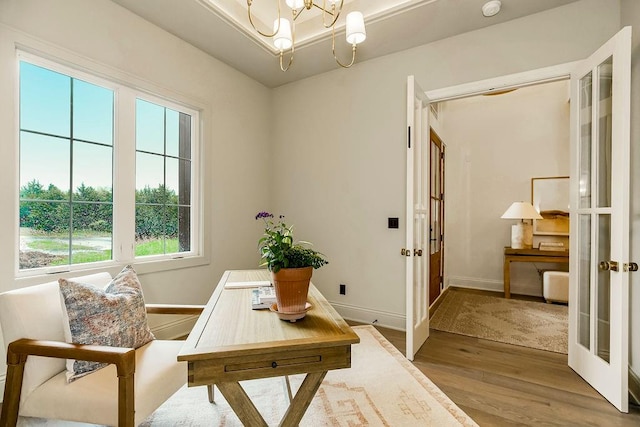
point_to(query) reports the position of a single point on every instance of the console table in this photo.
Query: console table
(231, 343)
(529, 255)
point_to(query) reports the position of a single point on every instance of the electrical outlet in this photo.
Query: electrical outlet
(343, 289)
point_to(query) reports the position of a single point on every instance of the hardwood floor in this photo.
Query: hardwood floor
(505, 385)
(499, 384)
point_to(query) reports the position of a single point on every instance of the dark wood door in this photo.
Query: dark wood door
(436, 217)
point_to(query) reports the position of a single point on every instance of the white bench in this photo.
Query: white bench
(555, 286)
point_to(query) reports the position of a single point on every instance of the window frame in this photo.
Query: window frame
(126, 91)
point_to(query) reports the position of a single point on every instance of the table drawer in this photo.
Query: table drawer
(273, 364)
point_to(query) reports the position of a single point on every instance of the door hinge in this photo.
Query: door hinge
(632, 266)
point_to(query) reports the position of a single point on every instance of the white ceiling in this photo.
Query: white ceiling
(221, 29)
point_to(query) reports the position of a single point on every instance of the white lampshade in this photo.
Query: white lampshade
(282, 40)
(521, 233)
(356, 32)
(295, 4)
(521, 210)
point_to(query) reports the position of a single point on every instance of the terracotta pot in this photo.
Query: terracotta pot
(292, 287)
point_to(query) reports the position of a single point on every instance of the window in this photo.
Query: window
(72, 209)
(163, 177)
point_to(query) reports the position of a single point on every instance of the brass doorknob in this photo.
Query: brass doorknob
(608, 265)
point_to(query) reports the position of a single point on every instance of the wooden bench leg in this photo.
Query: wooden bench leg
(12, 389)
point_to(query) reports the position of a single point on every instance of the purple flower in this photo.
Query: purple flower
(262, 215)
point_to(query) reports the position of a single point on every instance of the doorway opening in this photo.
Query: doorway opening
(497, 146)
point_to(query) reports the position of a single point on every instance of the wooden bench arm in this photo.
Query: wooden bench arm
(124, 358)
(19, 350)
(174, 309)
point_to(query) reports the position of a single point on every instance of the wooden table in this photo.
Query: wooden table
(231, 342)
(528, 255)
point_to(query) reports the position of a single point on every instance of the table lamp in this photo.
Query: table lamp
(522, 232)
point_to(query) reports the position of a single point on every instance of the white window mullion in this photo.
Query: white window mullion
(124, 176)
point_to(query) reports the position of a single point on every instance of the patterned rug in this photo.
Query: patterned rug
(526, 323)
(381, 388)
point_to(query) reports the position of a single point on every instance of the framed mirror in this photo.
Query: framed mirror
(550, 197)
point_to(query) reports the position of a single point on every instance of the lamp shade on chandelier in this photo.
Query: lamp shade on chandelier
(284, 30)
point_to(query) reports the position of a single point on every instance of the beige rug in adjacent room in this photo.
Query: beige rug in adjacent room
(526, 323)
(381, 388)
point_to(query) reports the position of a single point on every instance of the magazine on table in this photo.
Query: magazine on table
(263, 297)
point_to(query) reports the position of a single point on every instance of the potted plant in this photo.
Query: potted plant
(291, 265)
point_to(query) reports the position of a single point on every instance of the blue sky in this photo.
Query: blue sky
(45, 100)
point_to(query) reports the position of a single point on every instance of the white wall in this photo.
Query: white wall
(236, 130)
(495, 145)
(339, 143)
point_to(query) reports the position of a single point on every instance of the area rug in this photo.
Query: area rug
(381, 388)
(526, 323)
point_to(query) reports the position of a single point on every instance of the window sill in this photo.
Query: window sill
(29, 278)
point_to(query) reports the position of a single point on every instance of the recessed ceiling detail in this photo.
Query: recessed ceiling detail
(309, 25)
(220, 28)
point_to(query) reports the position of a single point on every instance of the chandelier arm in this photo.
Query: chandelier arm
(335, 13)
(333, 49)
(290, 61)
(254, 25)
(293, 45)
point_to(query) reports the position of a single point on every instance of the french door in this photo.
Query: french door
(599, 209)
(417, 218)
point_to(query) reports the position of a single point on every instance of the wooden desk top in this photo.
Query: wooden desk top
(228, 327)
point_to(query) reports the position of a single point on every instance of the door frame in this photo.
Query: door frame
(508, 81)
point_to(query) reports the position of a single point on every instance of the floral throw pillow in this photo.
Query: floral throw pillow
(115, 316)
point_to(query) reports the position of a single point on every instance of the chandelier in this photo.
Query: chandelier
(284, 31)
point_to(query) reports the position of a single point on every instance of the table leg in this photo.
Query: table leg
(241, 404)
(302, 399)
(507, 278)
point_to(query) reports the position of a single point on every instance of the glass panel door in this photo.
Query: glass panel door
(599, 237)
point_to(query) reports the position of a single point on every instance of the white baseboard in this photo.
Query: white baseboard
(473, 283)
(358, 314)
(532, 289)
(175, 329)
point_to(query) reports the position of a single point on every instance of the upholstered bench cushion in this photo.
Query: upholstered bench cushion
(157, 377)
